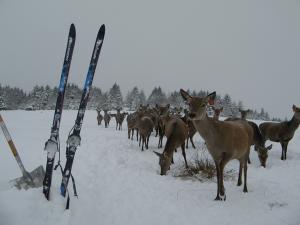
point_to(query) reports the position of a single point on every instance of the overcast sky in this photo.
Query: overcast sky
(249, 49)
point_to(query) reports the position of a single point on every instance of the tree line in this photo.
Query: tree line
(44, 98)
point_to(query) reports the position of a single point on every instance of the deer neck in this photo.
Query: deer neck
(206, 128)
(293, 123)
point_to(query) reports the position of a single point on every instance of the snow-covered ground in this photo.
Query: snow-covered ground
(119, 184)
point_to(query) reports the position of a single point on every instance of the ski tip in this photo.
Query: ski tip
(101, 32)
(72, 30)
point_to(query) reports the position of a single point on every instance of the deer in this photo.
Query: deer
(281, 132)
(192, 129)
(120, 118)
(132, 125)
(177, 132)
(99, 117)
(107, 118)
(161, 110)
(217, 112)
(225, 140)
(145, 127)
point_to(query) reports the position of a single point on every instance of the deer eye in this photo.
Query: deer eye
(203, 105)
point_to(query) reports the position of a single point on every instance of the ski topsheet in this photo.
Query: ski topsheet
(74, 138)
(52, 145)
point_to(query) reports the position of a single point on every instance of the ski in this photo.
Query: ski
(74, 138)
(52, 145)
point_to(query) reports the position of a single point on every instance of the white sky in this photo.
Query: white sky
(249, 49)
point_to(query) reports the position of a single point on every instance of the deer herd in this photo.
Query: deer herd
(225, 140)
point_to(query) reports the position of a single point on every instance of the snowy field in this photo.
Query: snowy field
(118, 184)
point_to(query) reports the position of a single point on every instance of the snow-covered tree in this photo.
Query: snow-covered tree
(2, 103)
(157, 97)
(115, 99)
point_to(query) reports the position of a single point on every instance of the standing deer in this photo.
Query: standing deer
(145, 127)
(106, 118)
(99, 117)
(162, 110)
(119, 119)
(132, 125)
(177, 132)
(225, 140)
(281, 132)
(191, 127)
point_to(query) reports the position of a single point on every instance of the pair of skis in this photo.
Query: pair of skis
(52, 145)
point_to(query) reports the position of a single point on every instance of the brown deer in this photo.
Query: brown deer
(177, 132)
(132, 125)
(281, 132)
(145, 127)
(225, 140)
(107, 118)
(217, 112)
(161, 110)
(99, 117)
(120, 118)
(191, 127)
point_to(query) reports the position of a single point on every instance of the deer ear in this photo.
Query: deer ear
(269, 147)
(211, 98)
(157, 153)
(185, 95)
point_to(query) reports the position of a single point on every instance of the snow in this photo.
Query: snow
(117, 183)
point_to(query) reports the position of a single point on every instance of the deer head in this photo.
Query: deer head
(197, 105)
(263, 154)
(164, 162)
(296, 112)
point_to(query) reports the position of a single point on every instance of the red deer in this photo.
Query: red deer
(281, 132)
(192, 129)
(132, 125)
(99, 117)
(106, 118)
(162, 110)
(119, 119)
(145, 127)
(225, 140)
(177, 132)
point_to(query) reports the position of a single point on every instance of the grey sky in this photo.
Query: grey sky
(249, 49)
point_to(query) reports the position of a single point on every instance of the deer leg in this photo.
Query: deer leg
(184, 156)
(218, 181)
(285, 149)
(147, 141)
(140, 140)
(245, 175)
(239, 183)
(191, 139)
(143, 142)
(249, 159)
(282, 150)
(187, 142)
(225, 159)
